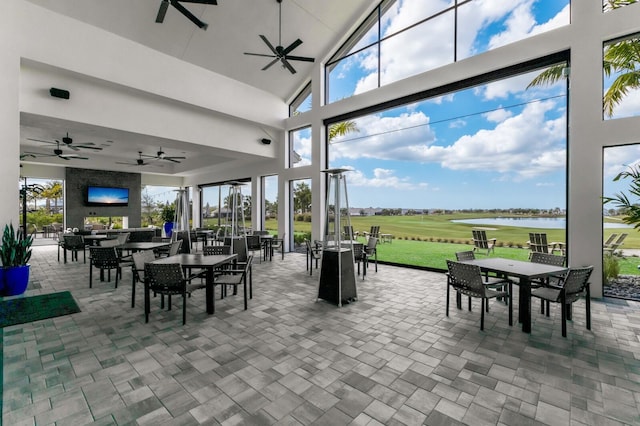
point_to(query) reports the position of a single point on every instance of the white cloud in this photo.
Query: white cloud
(456, 124)
(497, 115)
(629, 105)
(380, 138)
(412, 52)
(383, 178)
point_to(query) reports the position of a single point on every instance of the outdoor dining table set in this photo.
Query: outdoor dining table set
(571, 283)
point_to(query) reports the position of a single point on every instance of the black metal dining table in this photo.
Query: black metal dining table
(200, 261)
(143, 245)
(525, 272)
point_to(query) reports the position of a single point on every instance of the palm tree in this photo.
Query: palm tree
(622, 57)
(630, 210)
(52, 191)
(342, 128)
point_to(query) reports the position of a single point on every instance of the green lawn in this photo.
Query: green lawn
(431, 239)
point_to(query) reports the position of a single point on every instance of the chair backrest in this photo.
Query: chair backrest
(348, 232)
(160, 239)
(619, 241)
(104, 257)
(261, 232)
(548, 259)
(575, 283)
(254, 242)
(166, 278)
(175, 247)
(278, 241)
(465, 255)
(372, 242)
(122, 237)
(109, 243)
(73, 242)
(139, 259)
(538, 242)
(480, 238)
(610, 240)
(216, 250)
(465, 278)
(375, 231)
(239, 247)
(314, 252)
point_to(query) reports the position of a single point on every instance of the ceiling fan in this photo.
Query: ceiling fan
(280, 53)
(57, 152)
(68, 142)
(164, 5)
(161, 155)
(138, 162)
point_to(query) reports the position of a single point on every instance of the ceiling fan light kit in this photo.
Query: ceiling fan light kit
(280, 53)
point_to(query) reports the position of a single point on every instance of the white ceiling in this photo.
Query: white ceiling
(234, 27)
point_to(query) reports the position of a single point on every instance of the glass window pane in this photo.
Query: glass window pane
(412, 52)
(621, 96)
(302, 102)
(484, 24)
(355, 74)
(300, 147)
(405, 13)
(498, 148)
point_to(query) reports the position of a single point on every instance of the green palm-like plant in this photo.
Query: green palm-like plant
(16, 247)
(631, 210)
(342, 128)
(621, 57)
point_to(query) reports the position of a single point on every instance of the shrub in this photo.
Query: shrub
(300, 218)
(299, 237)
(611, 268)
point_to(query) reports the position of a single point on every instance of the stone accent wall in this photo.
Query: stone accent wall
(75, 188)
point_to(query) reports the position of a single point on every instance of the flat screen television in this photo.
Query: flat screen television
(107, 196)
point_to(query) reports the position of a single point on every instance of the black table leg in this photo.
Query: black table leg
(209, 292)
(524, 311)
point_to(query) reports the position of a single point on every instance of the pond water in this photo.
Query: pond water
(530, 222)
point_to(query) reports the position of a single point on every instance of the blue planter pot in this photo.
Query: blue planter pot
(1, 281)
(16, 279)
(168, 228)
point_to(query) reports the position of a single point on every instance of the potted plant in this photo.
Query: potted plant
(168, 215)
(15, 254)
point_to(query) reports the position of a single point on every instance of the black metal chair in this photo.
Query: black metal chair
(216, 250)
(137, 270)
(75, 244)
(313, 253)
(254, 243)
(105, 259)
(492, 282)
(166, 279)
(547, 259)
(278, 243)
(468, 280)
(235, 278)
(570, 288)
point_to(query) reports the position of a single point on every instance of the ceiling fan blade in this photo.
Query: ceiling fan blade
(171, 159)
(292, 46)
(188, 14)
(260, 54)
(175, 157)
(39, 154)
(273, 49)
(73, 147)
(85, 146)
(40, 140)
(164, 5)
(270, 64)
(213, 2)
(72, 156)
(300, 58)
(288, 65)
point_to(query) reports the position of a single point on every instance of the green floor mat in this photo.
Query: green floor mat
(27, 309)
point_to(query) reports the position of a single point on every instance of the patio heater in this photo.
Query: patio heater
(235, 230)
(337, 276)
(181, 220)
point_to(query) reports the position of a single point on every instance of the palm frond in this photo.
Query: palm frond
(548, 77)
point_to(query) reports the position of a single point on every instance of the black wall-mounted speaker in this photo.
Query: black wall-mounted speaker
(59, 93)
(265, 141)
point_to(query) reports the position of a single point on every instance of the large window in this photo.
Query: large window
(402, 38)
(216, 211)
(300, 147)
(493, 150)
(621, 79)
